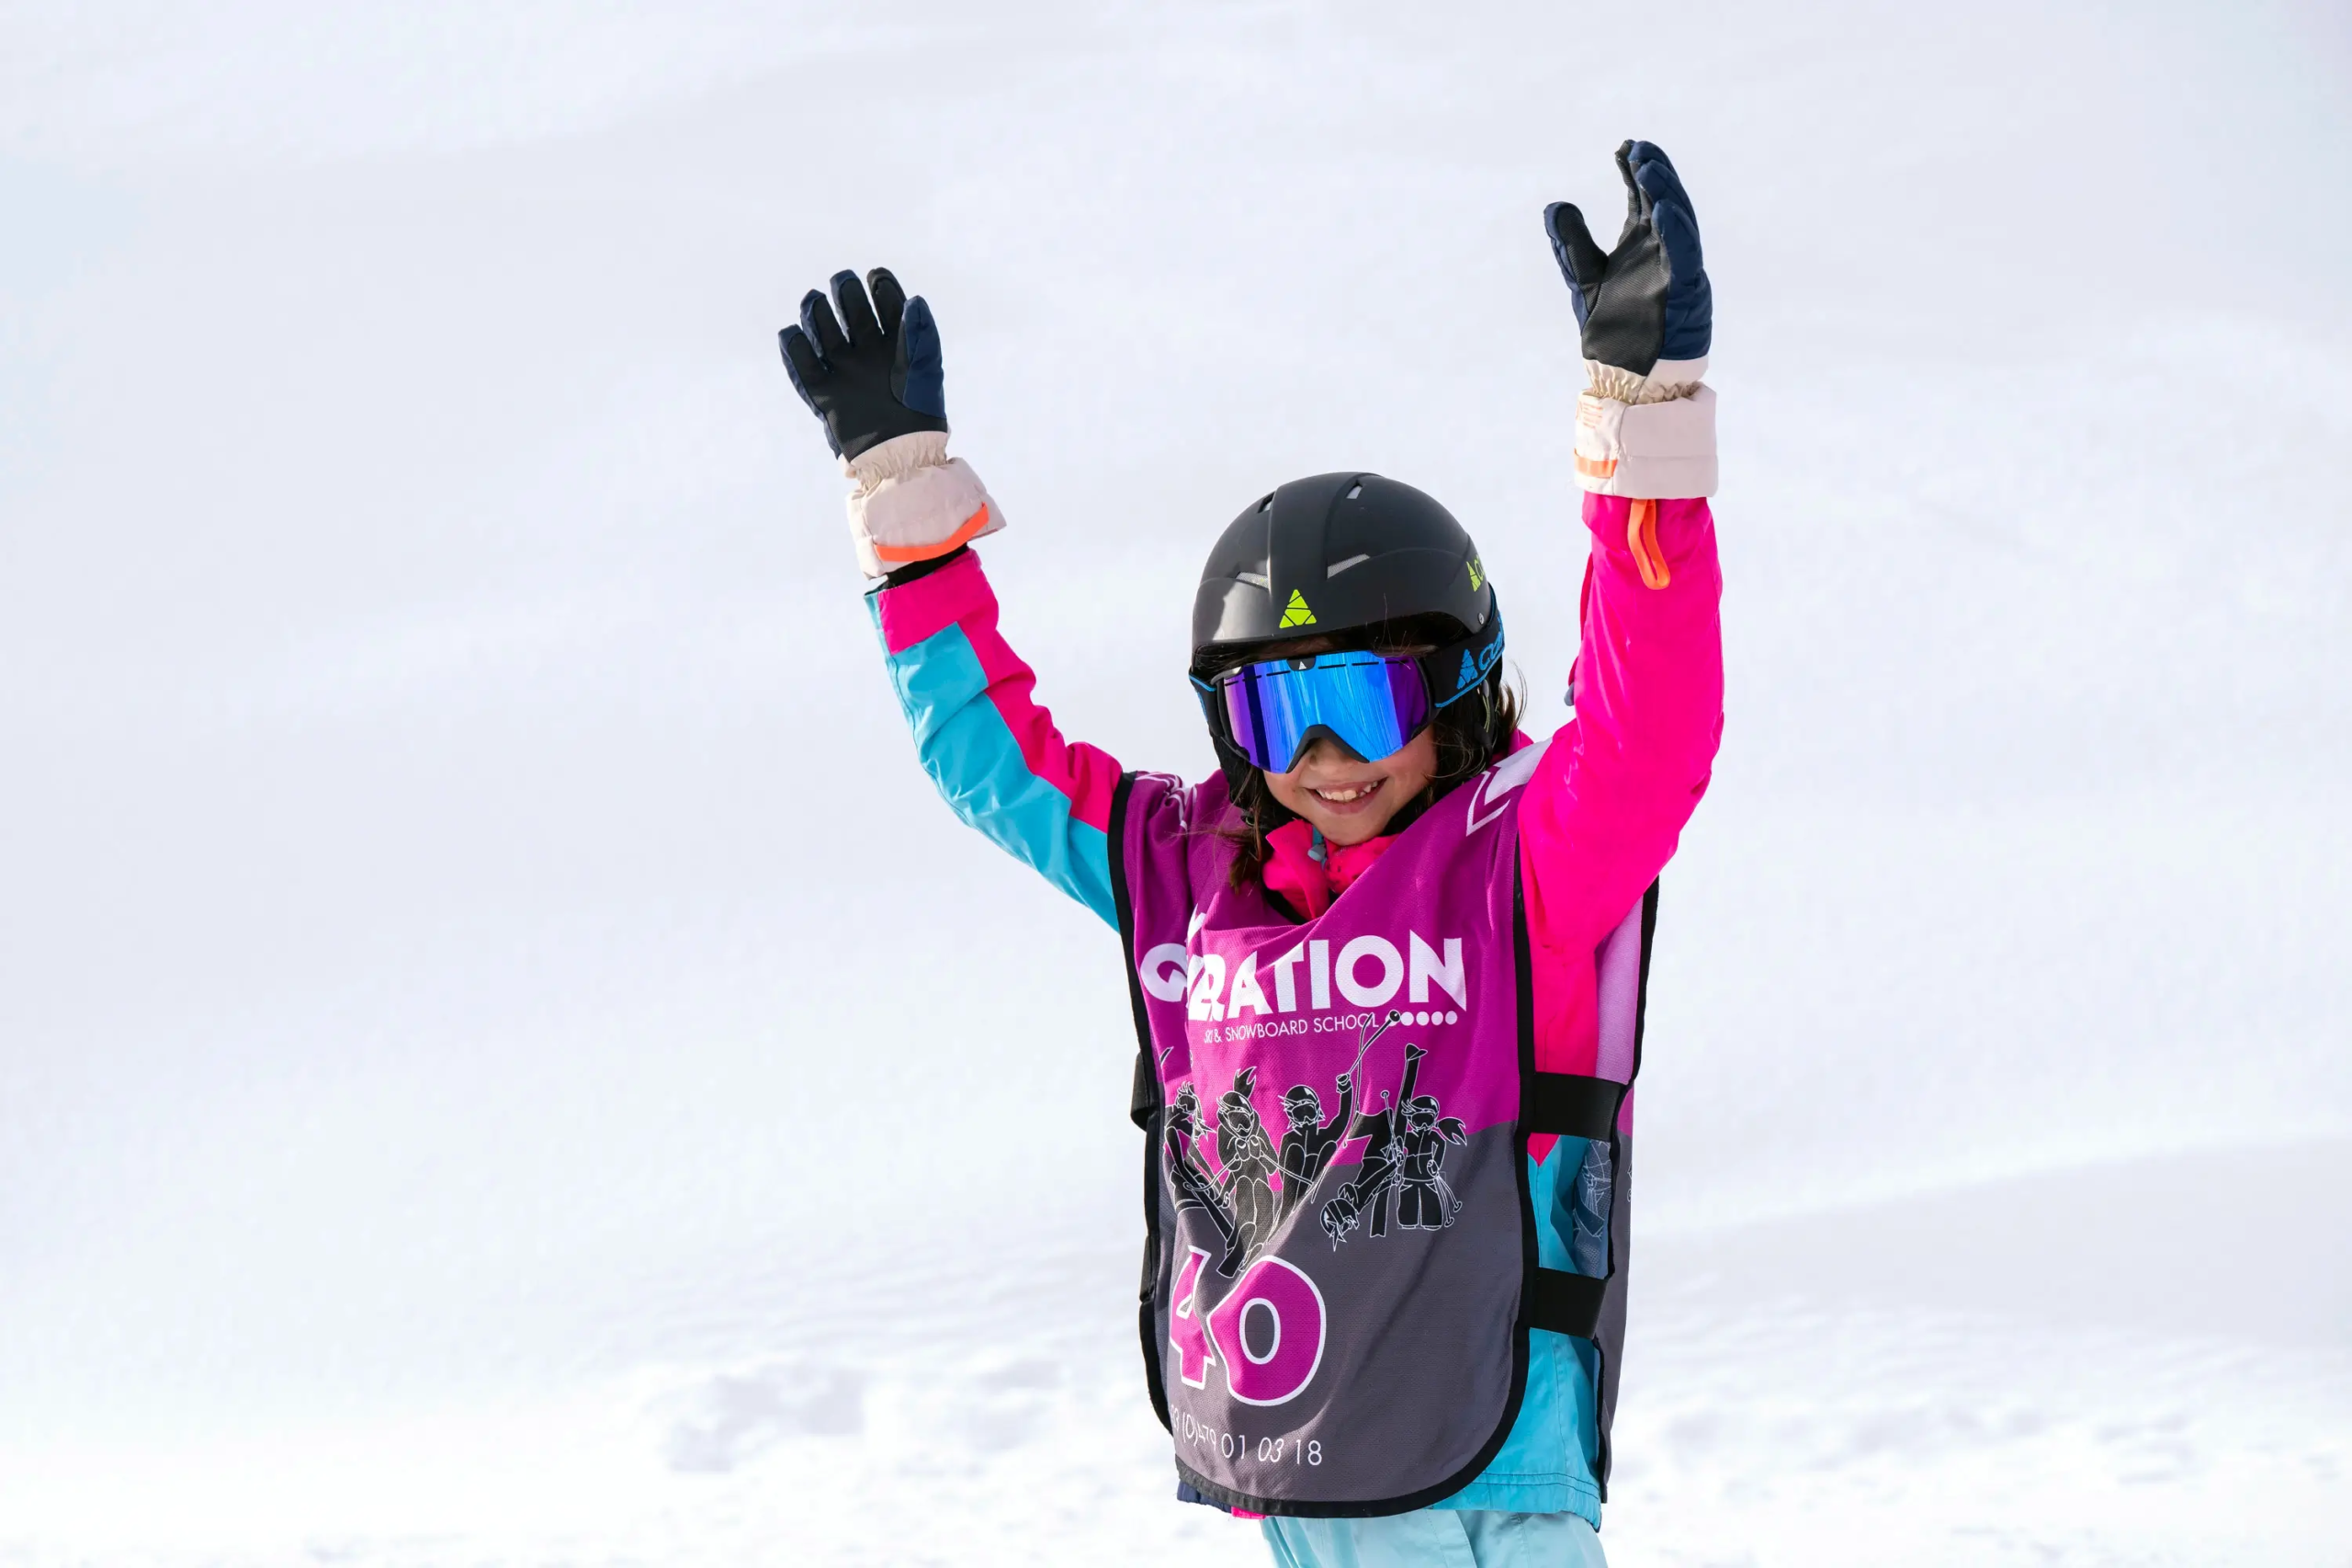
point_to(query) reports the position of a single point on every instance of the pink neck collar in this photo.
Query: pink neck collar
(1309, 871)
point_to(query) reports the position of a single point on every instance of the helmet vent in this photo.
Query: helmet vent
(1338, 566)
(1254, 578)
(1352, 494)
(1267, 502)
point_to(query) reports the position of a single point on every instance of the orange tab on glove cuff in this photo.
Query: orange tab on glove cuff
(900, 555)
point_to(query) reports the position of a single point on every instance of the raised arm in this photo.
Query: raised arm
(1608, 803)
(993, 753)
(872, 371)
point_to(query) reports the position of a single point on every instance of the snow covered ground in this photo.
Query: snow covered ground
(502, 1062)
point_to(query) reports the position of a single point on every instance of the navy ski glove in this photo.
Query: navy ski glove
(1646, 422)
(1648, 300)
(872, 371)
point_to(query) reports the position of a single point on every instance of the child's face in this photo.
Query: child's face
(1350, 800)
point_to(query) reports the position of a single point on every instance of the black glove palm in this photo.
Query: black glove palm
(872, 373)
(1647, 300)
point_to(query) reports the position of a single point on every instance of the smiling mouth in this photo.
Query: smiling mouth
(1351, 794)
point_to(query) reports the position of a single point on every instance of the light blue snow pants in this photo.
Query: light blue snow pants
(1437, 1538)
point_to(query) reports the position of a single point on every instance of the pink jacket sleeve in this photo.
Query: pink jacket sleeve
(1609, 801)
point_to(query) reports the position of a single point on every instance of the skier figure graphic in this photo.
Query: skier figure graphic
(1382, 1160)
(1250, 1163)
(1311, 1142)
(1192, 1185)
(1424, 1202)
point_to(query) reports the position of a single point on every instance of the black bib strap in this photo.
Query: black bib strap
(1565, 1303)
(1143, 1097)
(1570, 1104)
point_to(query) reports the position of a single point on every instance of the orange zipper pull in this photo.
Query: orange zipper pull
(1641, 538)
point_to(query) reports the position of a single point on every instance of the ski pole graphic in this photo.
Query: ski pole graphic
(1355, 1074)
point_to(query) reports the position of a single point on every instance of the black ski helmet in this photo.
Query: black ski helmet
(1341, 555)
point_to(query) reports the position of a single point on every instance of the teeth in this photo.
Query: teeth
(1341, 796)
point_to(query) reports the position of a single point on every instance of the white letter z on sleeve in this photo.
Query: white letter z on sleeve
(913, 503)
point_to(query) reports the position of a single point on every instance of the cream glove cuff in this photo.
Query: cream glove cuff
(913, 503)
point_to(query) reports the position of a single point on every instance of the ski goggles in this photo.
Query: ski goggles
(1270, 711)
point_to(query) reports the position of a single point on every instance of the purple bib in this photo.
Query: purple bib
(1342, 1270)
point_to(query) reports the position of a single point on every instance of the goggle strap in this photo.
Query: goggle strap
(1463, 667)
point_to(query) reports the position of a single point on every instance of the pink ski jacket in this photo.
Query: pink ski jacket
(1599, 819)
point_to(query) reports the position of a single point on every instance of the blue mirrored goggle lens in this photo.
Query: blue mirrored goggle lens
(1374, 706)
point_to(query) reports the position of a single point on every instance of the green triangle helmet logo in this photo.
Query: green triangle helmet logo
(1296, 613)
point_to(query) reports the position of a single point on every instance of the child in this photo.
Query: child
(1395, 1340)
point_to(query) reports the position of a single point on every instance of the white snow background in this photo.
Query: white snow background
(503, 1060)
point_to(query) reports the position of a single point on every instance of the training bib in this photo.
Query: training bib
(1342, 1268)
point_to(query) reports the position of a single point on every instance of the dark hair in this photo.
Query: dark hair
(1469, 733)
